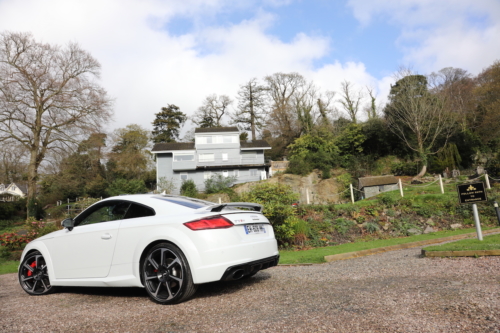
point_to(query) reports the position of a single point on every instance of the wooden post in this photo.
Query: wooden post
(401, 187)
(487, 181)
(307, 195)
(441, 184)
(352, 193)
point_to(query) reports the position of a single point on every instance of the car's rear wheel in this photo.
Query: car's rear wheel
(33, 275)
(166, 275)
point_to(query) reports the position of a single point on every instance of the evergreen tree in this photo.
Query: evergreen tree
(167, 124)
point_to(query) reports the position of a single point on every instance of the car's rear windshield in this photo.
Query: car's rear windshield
(185, 203)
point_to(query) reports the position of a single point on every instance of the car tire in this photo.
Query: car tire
(166, 275)
(33, 275)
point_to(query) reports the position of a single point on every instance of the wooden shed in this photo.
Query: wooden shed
(370, 186)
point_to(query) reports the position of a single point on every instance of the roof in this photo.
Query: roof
(376, 181)
(255, 144)
(173, 146)
(216, 129)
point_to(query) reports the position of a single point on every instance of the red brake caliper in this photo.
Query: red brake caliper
(33, 264)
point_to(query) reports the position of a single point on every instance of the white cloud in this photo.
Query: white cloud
(437, 34)
(144, 67)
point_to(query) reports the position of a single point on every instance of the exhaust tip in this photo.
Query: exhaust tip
(238, 274)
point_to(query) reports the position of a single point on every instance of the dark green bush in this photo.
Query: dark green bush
(404, 168)
(299, 166)
(127, 186)
(188, 188)
(387, 200)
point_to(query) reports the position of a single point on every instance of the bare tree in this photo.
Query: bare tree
(325, 108)
(282, 121)
(252, 104)
(418, 117)
(12, 162)
(212, 110)
(350, 99)
(371, 108)
(48, 98)
(457, 86)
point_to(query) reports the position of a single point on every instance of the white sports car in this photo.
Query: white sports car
(167, 244)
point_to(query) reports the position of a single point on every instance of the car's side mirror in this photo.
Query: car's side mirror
(68, 223)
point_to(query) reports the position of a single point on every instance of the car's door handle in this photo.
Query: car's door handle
(106, 236)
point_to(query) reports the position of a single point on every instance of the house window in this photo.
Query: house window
(225, 173)
(228, 139)
(248, 155)
(184, 176)
(253, 172)
(182, 157)
(236, 173)
(206, 157)
(207, 175)
(224, 157)
(203, 139)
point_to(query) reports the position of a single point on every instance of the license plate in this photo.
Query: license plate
(255, 229)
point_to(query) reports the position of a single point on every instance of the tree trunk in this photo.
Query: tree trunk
(422, 172)
(31, 197)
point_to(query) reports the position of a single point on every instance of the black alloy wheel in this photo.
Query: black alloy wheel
(166, 275)
(33, 275)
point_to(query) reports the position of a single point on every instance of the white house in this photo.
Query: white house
(13, 190)
(214, 151)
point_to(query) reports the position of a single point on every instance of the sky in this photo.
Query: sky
(159, 52)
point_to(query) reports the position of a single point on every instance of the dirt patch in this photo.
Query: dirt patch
(320, 191)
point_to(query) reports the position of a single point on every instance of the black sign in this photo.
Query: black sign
(471, 193)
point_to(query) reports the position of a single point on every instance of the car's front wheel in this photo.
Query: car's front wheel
(166, 275)
(33, 275)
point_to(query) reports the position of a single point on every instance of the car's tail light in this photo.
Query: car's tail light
(215, 222)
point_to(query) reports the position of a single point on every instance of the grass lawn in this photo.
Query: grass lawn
(8, 266)
(488, 243)
(317, 255)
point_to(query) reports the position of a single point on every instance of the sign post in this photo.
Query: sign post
(472, 193)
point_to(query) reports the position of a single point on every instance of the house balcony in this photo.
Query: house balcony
(217, 162)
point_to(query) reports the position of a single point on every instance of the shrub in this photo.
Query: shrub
(299, 166)
(165, 185)
(12, 241)
(343, 225)
(404, 168)
(219, 184)
(125, 186)
(402, 226)
(387, 200)
(188, 188)
(277, 200)
(372, 227)
(301, 232)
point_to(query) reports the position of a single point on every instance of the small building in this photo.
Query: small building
(215, 151)
(13, 191)
(371, 186)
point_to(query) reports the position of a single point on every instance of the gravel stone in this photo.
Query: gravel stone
(391, 292)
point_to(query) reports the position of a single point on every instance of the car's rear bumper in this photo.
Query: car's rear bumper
(239, 271)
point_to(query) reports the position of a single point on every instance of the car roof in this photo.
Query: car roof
(165, 204)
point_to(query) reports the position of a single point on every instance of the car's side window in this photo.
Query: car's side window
(107, 211)
(136, 210)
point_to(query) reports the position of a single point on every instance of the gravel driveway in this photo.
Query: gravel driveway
(391, 292)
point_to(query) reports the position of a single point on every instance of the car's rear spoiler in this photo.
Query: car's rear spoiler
(219, 207)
